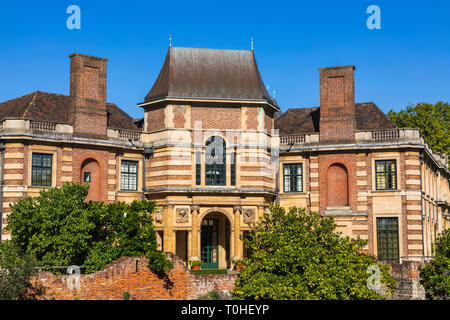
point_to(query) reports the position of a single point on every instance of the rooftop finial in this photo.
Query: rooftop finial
(274, 93)
(170, 40)
(252, 43)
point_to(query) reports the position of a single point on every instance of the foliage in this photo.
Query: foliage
(126, 295)
(296, 255)
(195, 262)
(211, 295)
(433, 120)
(209, 271)
(435, 275)
(16, 270)
(60, 228)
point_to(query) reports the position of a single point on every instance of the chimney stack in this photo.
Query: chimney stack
(88, 93)
(337, 104)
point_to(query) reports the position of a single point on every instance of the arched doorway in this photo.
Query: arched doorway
(90, 174)
(337, 186)
(215, 234)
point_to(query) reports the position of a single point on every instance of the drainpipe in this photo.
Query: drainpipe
(421, 206)
(147, 152)
(2, 150)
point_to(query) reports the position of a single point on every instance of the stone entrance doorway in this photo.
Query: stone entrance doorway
(215, 233)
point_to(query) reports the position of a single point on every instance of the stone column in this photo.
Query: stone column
(195, 237)
(169, 235)
(237, 232)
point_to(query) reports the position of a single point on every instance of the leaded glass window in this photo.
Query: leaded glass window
(387, 239)
(215, 162)
(292, 175)
(41, 172)
(386, 174)
(198, 166)
(233, 169)
(128, 175)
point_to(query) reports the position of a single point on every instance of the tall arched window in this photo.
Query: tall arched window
(215, 161)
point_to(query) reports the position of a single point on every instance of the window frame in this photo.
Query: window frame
(212, 180)
(41, 167)
(389, 231)
(128, 174)
(298, 175)
(389, 174)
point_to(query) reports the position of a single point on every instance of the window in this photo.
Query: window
(233, 169)
(87, 177)
(41, 171)
(128, 175)
(215, 162)
(387, 239)
(386, 174)
(293, 177)
(198, 168)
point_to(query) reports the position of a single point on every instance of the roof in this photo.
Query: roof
(306, 120)
(52, 107)
(209, 74)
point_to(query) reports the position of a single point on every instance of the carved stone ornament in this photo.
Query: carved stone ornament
(182, 215)
(249, 215)
(159, 214)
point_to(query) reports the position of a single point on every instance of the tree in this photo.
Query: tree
(433, 120)
(296, 255)
(60, 228)
(16, 271)
(435, 275)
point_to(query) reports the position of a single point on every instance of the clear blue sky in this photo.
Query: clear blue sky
(406, 61)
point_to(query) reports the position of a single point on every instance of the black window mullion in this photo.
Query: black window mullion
(41, 170)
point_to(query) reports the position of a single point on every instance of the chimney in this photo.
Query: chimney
(88, 94)
(337, 104)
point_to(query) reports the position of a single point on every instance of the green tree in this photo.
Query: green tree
(60, 228)
(433, 120)
(295, 255)
(16, 271)
(435, 275)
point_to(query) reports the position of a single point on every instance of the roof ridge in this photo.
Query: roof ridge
(30, 103)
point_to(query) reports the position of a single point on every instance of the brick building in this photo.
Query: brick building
(214, 150)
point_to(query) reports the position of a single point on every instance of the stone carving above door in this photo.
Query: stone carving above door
(249, 215)
(182, 215)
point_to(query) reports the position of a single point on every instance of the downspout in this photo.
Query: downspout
(2, 150)
(147, 152)
(421, 206)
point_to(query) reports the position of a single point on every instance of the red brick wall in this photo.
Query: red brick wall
(325, 161)
(131, 274)
(98, 189)
(88, 93)
(155, 118)
(337, 185)
(217, 117)
(337, 104)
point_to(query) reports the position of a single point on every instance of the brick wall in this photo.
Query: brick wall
(130, 274)
(406, 274)
(337, 104)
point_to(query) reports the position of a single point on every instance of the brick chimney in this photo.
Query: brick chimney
(88, 93)
(337, 104)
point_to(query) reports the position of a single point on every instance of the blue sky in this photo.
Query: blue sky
(406, 61)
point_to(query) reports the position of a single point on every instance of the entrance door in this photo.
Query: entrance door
(210, 243)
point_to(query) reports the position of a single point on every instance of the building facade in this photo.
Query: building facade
(214, 150)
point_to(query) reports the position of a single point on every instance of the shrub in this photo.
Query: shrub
(435, 275)
(298, 256)
(16, 270)
(60, 228)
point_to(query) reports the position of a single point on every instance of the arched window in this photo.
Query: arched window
(215, 161)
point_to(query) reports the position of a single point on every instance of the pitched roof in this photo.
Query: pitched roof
(209, 74)
(306, 120)
(52, 107)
